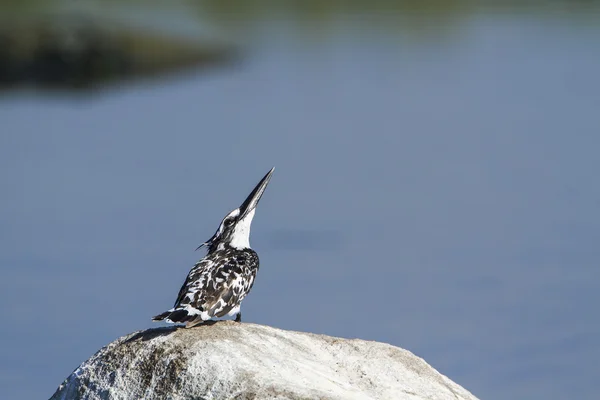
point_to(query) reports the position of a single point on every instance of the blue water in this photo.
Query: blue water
(437, 191)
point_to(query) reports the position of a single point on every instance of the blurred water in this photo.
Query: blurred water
(435, 188)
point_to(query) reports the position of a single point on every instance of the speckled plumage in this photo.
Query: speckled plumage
(216, 286)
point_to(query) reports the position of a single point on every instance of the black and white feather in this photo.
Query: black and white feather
(218, 283)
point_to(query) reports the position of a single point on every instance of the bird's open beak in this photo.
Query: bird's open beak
(252, 200)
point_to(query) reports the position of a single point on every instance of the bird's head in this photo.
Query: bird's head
(234, 230)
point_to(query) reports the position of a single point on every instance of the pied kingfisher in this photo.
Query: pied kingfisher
(218, 283)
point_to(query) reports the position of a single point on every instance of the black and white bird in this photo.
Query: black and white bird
(218, 283)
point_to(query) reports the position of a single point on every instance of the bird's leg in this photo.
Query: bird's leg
(238, 317)
(194, 322)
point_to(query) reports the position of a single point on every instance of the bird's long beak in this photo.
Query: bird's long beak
(252, 200)
(249, 204)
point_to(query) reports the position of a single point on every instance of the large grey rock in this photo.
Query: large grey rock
(228, 360)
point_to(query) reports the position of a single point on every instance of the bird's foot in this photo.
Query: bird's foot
(195, 322)
(238, 317)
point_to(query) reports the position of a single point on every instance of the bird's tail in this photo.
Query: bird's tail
(174, 316)
(162, 316)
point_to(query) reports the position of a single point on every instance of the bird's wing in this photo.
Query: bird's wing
(215, 288)
(229, 285)
(194, 282)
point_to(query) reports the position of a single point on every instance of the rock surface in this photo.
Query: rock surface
(228, 360)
